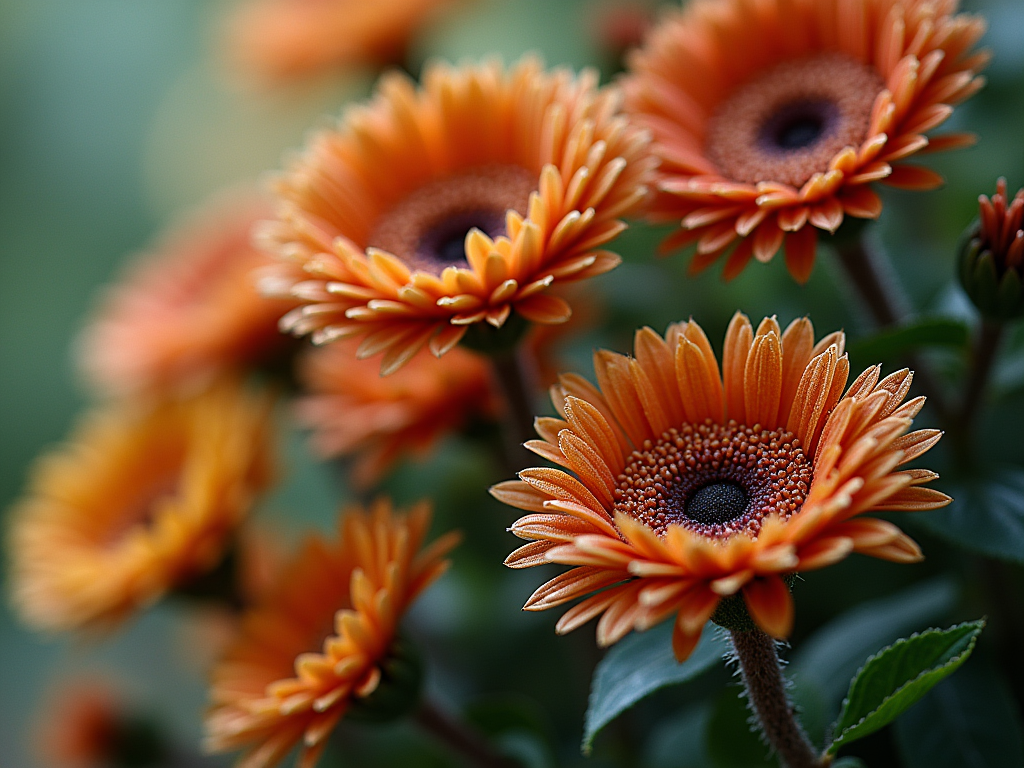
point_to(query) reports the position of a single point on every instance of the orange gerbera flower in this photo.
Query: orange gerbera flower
(435, 208)
(190, 310)
(140, 500)
(772, 119)
(692, 485)
(79, 726)
(289, 38)
(353, 411)
(321, 642)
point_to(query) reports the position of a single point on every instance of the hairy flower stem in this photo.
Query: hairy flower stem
(879, 289)
(766, 693)
(516, 378)
(459, 737)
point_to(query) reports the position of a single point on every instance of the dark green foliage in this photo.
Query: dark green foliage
(967, 721)
(986, 515)
(638, 666)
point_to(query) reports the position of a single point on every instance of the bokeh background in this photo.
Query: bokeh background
(117, 114)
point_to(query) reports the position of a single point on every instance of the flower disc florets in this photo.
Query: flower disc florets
(714, 479)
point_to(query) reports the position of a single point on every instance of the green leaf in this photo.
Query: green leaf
(831, 656)
(849, 762)
(678, 741)
(896, 677)
(967, 721)
(987, 515)
(639, 665)
(927, 332)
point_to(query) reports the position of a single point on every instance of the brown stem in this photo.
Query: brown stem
(874, 283)
(516, 378)
(878, 287)
(460, 738)
(766, 694)
(983, 356)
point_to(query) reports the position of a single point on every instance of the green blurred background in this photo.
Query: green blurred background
(116, 114)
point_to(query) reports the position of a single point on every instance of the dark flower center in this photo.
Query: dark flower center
(716, 479)
(798, 125)
(788, 122)
(717, 503)
(427, 228)
(445, 244)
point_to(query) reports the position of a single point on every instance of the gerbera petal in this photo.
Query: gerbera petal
(762, 381)
(570, 585)
(801, 248)
(738, 339)
(699, 385)
(529, 555)
(583, 612)
(902, 550)
(914, 177)
(771, 605)
(915, 500)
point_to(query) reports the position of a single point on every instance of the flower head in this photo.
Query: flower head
(188, 311)
(80, 726)
(355, 412)
(773, 119)
(289, 38)
(992, 257)
(692, 483)
(321, 642)
(87, 724)
(141, 499)
(435, 208)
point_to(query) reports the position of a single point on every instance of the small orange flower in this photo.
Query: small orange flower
(190, 310)
(80, 726)
(353, 411)
(142, 498)
(320, 641)
(691, 485)
(773, 119)
(290, 38)
(432, 209)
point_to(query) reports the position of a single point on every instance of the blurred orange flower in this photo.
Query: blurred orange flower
(692, 484)
(438, 207)
(355, 412)
(320, 642)
(80, 726)
(289, 38)
(142, 498)
(189, 310)
(773, 119)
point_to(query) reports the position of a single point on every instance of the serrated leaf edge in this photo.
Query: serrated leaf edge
(980, 623)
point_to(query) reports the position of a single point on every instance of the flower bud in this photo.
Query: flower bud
(992, 256)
